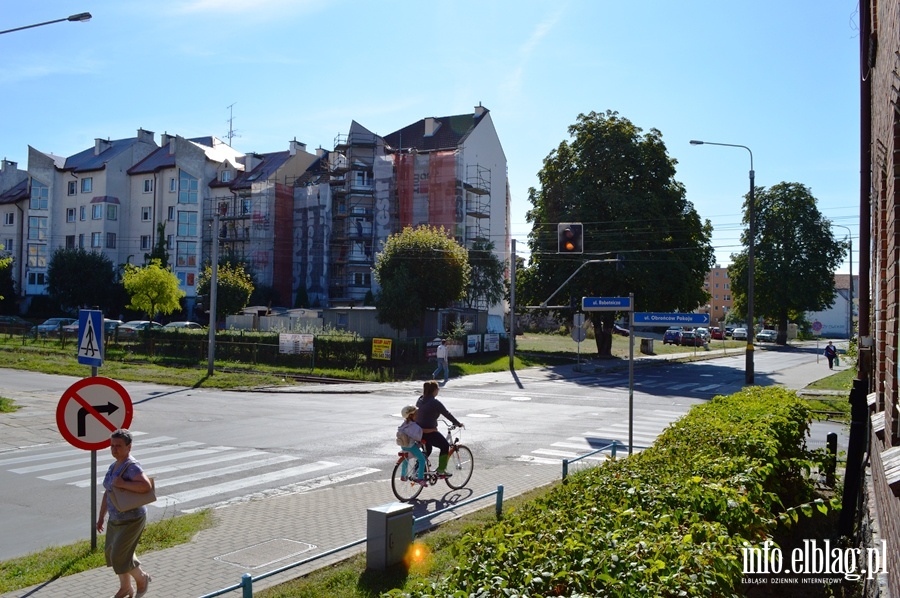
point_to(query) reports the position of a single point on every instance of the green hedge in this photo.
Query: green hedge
(670, 521)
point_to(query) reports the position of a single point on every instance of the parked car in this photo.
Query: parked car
(52, 326)
(766, 336)
(739, 334)
(692, 339)
(109, 326)
(703, 332)
(673, 335)
(15, 323)
(717, 333)
(620, 330)
(131, 330)
(729, 331)
(184, 326)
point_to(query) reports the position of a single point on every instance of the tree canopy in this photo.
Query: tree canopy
(486, 280)
(619, 183)
(7, 286)
(233, 288)
(80, 278)
(795, 256)
(419, 268)
(152, 289)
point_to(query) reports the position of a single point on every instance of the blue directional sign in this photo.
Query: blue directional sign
(605, 303)
(90, 337)
(642, 318)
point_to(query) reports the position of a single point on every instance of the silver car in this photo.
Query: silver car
(739, 334)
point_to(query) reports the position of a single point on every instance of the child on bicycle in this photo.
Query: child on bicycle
(409, 433)
(428, 408)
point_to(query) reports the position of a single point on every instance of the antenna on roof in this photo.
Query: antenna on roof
(232, 133)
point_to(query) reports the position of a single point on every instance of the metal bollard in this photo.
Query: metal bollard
(247, 585)
(831, 463)
(499, 502)
(565, 471)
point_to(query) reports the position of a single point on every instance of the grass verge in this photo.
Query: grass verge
(59, 561)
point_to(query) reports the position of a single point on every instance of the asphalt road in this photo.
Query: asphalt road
(211, 448)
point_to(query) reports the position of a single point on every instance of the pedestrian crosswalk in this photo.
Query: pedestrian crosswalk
(188, 475)
(647, 427)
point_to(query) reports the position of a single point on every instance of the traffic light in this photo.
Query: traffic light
(569, 237)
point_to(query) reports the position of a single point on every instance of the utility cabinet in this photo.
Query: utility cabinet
(389, 532)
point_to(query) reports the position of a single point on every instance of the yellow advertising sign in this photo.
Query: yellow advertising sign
(381, 348)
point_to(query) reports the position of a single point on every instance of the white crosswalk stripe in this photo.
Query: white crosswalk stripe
(201, 472)
(647, 427)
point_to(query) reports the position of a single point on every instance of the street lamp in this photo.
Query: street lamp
(751, 218)
(850, 290)
(80, 18)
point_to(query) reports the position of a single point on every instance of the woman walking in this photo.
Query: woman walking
(125, 529)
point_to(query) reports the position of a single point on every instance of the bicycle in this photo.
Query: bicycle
(461, 464)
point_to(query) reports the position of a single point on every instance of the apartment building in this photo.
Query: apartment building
(309, 225)
(718, 285)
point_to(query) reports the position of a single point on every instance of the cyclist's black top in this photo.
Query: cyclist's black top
(427, 411)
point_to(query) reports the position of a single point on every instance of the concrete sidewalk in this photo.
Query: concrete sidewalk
(258, 536)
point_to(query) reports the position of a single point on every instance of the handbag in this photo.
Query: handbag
(126, 500)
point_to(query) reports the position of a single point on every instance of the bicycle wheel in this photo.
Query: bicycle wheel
(405, 490)
(461, 465)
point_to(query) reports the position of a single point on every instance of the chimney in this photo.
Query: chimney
(321, 151)
(8, 165)
(101, 145)
(164, 139)
(297, 146)
(145, 136)
(431, 126)
(251, 161)
(479, 110)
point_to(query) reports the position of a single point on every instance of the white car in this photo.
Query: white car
(766, 336)
(739, 334)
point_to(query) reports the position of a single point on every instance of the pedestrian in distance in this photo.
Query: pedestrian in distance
(428, 409)
(830, 354)
(409, 433)
(442, 362)
(125, 529)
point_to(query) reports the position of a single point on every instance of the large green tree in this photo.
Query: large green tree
(7, 287)
(419, 268)
(486, 283)
(620, 184)
(234, 285)
(795, 256)
(152, 289)
(80, 278)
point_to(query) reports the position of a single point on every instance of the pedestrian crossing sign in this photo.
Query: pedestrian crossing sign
(90, 337)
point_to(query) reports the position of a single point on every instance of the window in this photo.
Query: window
(188, 189)
(186, 254)
(363, 178)
(8, 245)
(37, 228)
(173, 187)
(37, 256)
(39, 195)
(112, 212)
(246, 207)
(9, 218)
(70, 214)
(95, 239)
(146, 214)
(226, 176)
(110, 240)
(726, 297)
(148, 185)
(170, 242)
(81, 240)
(72, 187)
(96, 211)
(37, 278)
(81, 213)
(87, 184)
(187, 224)
(727, 286)
(70, 241)
(145, 242)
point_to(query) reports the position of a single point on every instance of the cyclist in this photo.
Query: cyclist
(409, 433)
(428, 408)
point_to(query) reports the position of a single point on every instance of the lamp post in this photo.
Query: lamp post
(850, 289)
(751, 233)
(80, 18)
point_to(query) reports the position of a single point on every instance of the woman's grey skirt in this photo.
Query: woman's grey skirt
(122, 538)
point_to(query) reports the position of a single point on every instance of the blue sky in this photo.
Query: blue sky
(779, 77)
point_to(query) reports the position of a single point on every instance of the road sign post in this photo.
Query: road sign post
(87, 413)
